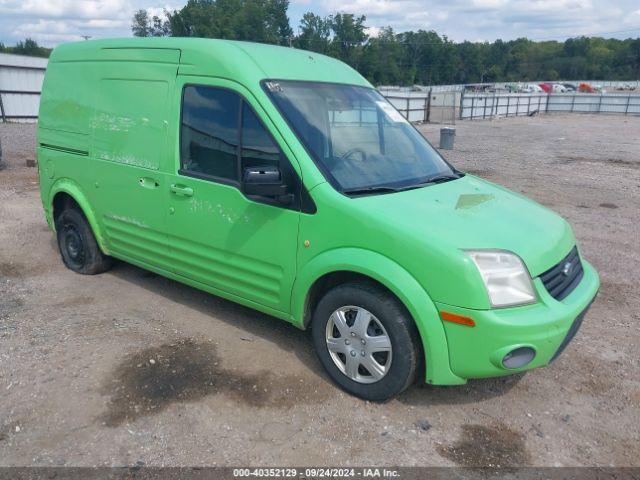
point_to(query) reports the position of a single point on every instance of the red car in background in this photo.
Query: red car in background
(547, 87)
(586, 88)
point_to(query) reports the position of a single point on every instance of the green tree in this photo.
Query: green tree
(315, 33)
(30, 47)
(382, 57)
(262, 21)
(348, 37)
(277, 14)
(414, 57)
(422, 55)
(144, 26)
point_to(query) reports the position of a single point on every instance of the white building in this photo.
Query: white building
(20, 85)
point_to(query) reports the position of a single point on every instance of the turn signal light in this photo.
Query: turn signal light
(459, 319)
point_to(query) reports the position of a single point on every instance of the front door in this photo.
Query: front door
(244, 248)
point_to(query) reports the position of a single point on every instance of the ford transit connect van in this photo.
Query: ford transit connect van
(282, 180)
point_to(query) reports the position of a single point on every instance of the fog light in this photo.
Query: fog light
(518, 357)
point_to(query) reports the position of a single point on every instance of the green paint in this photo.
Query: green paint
(109, 137)
(471, 200)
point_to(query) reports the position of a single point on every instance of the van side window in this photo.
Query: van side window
(210, 135)
(258, 148)
(221, 135)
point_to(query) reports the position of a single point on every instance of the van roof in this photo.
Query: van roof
(240, 61)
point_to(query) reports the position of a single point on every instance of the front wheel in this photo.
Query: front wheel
(366, 341)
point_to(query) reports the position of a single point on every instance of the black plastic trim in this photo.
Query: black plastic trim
(59, 148)
(575, 326)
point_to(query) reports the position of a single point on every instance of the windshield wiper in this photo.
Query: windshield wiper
(368, 190)
(441, 178)
(445, 177)
(385, 189)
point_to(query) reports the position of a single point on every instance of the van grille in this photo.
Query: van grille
(561, 279)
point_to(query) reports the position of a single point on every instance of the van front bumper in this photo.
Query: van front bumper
(546, 327)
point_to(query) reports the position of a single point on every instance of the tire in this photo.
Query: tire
(78, 247)
(338, 332)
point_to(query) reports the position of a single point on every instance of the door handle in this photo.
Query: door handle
(181, 190)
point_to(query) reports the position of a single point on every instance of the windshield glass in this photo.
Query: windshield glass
(359, 140)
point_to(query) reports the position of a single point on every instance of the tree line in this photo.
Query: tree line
(390, 58)
(406, 58)
(28, 47)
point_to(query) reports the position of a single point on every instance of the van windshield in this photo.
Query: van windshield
(357, 138)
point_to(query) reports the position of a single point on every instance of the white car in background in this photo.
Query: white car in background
(531, 88)
(557, 88)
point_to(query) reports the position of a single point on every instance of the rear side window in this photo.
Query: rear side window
(210, 135)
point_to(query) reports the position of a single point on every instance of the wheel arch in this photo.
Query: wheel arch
(337, 266)
(66, 192)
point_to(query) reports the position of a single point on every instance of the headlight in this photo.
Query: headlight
(505, 277)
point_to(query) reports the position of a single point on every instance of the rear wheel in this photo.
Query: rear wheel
(78, 246)
(366, 341)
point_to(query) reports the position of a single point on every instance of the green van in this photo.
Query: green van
(282, 180)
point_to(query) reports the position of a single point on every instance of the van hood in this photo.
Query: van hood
(471, 213)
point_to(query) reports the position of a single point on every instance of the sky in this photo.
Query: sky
(51, 22)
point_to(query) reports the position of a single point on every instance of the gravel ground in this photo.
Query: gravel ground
(85, 362)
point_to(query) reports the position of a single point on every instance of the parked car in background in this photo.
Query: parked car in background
(559, 88)
(531, 88)
(570, 87)
(586, 88)
(546, 87)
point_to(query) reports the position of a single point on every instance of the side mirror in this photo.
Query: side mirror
(263, 181)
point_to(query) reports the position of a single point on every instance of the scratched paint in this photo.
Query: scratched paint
(208, 208)
(129, 220)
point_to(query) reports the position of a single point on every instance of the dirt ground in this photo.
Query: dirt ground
(130, 368)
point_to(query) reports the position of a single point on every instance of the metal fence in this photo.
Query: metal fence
(606, 84)
(434, 106)
(482, 106)
(446, 107)
(614, 103)
(20, 85)
(479, 106)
